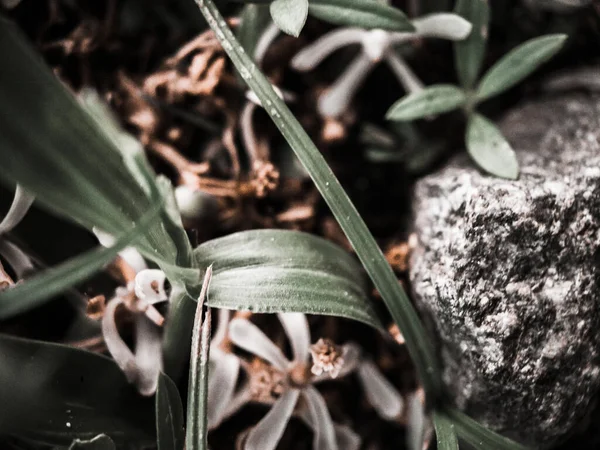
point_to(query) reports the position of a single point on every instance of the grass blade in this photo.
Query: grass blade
(432, 100)
(477, 436)
(197, 414)
(370, 254)
(55, 280)
(170, 433)
(518, 64)
(444, 432)
(469, 53)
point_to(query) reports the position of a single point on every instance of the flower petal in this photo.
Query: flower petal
(18, 260)
(148, 355)
(21, 203)
(267, 433)
(443, 25)
(249, 337)
(311, 56)
(339, 95)
(150, 286)
(297, 331)
(265, 41)
(222, 324)
(415, 436)
(324, 431)
(222, 378)
(118, 349)
(382, 395)
(131, 256)
(346, 437)
(403, 72)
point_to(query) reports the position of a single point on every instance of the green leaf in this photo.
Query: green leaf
(197, 413)
(444, 431)
(53, 394)
(289, 15)
(100, 442)
(268, 271)
(432, 100)
(518, 64)
(469, 53)
(489, 149)
(417, 341)
(368, 14)
(477, 436)
(67, 157)
(170, 433)
(42, 287)
(254, 20)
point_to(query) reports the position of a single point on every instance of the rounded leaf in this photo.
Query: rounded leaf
(490, 150)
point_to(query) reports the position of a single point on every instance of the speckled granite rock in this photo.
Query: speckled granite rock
(508, 273)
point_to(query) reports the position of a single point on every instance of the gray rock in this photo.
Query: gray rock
(508, 274)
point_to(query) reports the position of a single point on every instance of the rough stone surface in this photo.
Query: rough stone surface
(508, 274)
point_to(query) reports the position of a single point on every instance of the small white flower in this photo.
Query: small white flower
(267, 433)
(376, 46)
(142, 366)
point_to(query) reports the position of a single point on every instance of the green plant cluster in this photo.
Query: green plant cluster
(79, 164)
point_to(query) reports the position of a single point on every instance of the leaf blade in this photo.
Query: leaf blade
(444, 432)
(469, 53)
(54, 280)
(477, 436)
(254, 270)
(518, 64)
(197, 413)
(170, 432)
(289, 15)
(53, 393)
(432, 100)
(360, 13)
(489, 149)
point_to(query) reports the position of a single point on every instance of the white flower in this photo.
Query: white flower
(143, 365)
(18, 260)
(286, 390)
(376, 46)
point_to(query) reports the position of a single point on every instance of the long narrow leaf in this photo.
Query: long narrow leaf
(518, 64)
(285, 271)
(370, 254)
(254, 20)
(170, 433)
(444, 432)
(367, 14)
(436, 99)
(197, 413)
(55, 280)
(53, 394)
(469, 53)
(477, 436)
(63, 154)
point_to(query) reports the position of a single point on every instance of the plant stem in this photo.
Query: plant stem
(373, 260)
